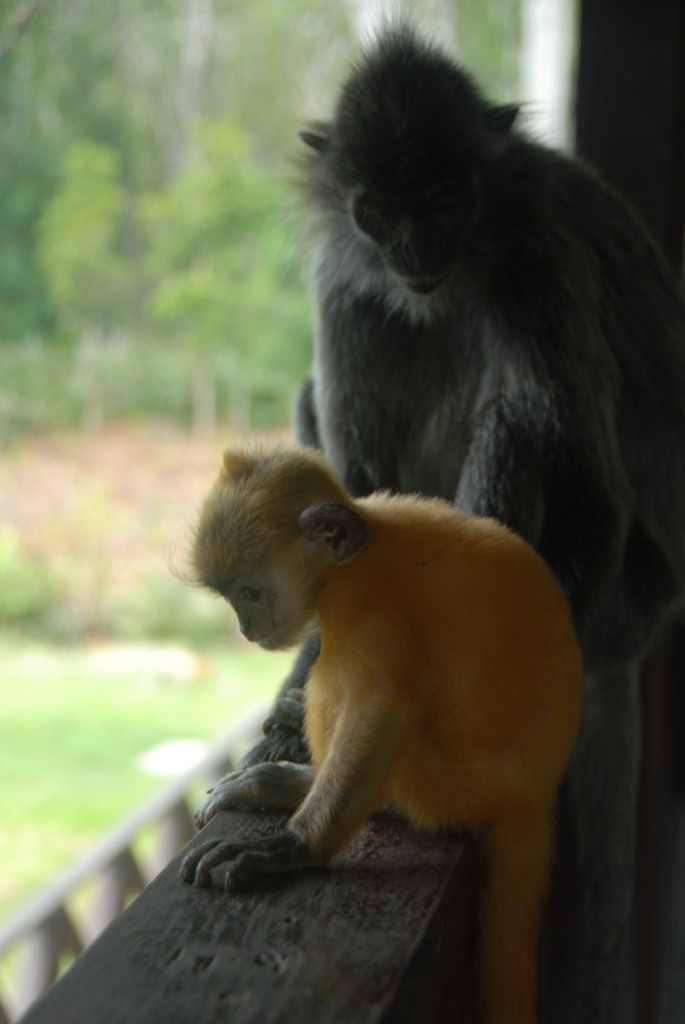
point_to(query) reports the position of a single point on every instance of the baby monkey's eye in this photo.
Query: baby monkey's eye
(251, 594)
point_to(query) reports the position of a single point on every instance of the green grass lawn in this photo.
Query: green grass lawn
(72, 730)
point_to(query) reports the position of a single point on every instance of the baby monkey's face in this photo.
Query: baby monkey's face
(267, 536)
(274, 604)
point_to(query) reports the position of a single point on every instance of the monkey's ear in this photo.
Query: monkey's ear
(339, 527)
(501, 119)
(317, 140)
(236, 464)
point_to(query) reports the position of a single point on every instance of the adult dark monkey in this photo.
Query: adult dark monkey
(496, 328)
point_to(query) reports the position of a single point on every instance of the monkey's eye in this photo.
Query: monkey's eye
(251, 594)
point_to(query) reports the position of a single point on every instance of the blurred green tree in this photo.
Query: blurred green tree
(78, 237)
(227, 280)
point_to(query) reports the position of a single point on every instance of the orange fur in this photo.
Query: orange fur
(466, 627)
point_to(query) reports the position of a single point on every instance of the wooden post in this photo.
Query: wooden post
(56, 936)
(118, 880)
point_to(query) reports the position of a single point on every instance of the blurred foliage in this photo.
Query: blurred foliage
(77, 241)
(143, 202)
(26, 182)
(141, 206)
(59, 604)
(29, 589)
(168, 611)
(224, 270)
(489, 36)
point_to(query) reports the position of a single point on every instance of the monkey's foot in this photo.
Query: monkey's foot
(286, 851)
(277, 787)
(230, 792)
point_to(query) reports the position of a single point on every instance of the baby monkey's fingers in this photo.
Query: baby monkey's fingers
(197, 865)
(286, 851)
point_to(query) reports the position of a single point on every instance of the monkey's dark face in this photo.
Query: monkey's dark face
(418, 234)
(406, 156)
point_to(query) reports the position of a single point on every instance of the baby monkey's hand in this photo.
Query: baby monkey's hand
(286, 851)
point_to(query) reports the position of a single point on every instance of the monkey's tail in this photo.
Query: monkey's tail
(519, 852)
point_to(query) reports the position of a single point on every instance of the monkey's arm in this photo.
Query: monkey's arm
(305, 420)
(546, 462)
(346, 789)
(283, 727)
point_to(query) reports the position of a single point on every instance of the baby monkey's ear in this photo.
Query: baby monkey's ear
(236, 464)
(339, 527)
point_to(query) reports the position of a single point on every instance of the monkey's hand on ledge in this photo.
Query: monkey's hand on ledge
(287, 851)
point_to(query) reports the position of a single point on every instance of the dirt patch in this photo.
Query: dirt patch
(125, 496)
(111, 510)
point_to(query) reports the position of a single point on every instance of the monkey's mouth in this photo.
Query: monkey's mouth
(274, 642)
(267, 643)
(425, 284)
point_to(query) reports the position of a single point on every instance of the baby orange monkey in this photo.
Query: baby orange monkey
(448, 684)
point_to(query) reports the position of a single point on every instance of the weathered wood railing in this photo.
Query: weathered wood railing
(46, 934)
(383, 937)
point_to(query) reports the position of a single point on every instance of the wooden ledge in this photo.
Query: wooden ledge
(384, 934)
